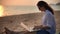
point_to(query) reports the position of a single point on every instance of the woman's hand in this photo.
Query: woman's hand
(41, 27)
(38, 27)
(46, 27)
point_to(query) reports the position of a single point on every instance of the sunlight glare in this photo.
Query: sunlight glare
(1, 10)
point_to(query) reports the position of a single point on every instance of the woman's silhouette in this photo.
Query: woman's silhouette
(48, 20)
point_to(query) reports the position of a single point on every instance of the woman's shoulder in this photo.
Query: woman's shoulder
(48, 12)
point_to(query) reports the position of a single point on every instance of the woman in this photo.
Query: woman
(48, 21)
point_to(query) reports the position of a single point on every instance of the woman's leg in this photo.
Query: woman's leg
(42, 32)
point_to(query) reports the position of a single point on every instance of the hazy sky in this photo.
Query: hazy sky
(25, 2)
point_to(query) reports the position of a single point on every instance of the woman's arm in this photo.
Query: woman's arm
(47, 23)
(45, 27)
(41, 27)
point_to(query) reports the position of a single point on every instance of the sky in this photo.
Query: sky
(25, 2)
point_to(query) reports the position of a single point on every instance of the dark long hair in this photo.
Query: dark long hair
(45, 5)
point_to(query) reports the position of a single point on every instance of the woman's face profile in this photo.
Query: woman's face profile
(41, 8)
